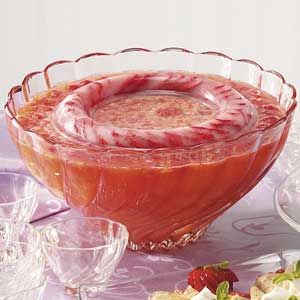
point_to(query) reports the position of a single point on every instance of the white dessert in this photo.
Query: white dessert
(205, 294)
(190, 294)
(268, 287)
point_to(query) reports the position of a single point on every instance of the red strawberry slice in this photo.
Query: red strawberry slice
(211, 276)
(279, 271)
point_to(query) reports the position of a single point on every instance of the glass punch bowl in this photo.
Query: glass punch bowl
(166, 196)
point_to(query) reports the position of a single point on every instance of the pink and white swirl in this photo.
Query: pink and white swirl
(231, 113)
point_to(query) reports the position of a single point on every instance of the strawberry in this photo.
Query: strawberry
(279, 271)
(211, 276)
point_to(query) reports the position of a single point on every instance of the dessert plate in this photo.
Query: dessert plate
(139, 289)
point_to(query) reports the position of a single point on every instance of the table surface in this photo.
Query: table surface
(250, 228)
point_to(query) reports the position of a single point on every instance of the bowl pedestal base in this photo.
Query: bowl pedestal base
(168, 244)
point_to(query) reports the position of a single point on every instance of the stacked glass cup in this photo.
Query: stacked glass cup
(21, 258)
(79, 250)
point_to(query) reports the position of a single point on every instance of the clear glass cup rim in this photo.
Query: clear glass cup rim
(116, 241)
(32, 229)
(21, 199)
(276, 200)
(105, 150)
(31, 289)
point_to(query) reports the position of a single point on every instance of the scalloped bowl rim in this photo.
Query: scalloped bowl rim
(20, 88)
(116, 241)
